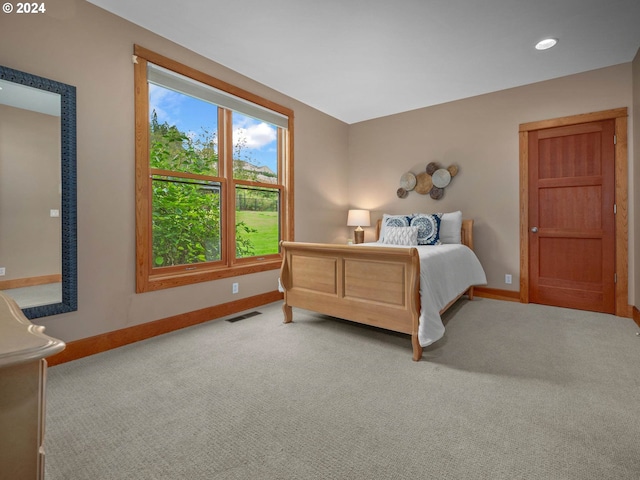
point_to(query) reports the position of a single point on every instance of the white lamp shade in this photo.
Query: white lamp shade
(358, 218)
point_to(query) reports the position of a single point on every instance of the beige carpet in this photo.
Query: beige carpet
(511, 392)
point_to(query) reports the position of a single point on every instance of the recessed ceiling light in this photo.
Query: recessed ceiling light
(546, 43)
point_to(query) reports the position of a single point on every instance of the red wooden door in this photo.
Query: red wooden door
(571, 216)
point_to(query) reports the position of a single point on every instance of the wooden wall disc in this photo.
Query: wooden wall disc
(402, 193)
(432, 167)
(408, 181)
(441, 178)
(424, 182)
(436, 193)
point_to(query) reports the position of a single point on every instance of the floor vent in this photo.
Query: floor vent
(242, 317)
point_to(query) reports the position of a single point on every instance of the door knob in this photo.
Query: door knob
(534, 229)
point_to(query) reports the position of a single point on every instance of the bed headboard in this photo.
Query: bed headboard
(466, 233)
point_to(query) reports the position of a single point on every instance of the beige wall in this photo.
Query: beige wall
(82, 45)
(480, 136)
(29, 189)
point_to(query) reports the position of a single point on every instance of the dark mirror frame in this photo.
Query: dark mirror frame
(69, 185)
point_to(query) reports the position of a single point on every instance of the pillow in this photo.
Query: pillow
(401, 235)
(392, 221)
(428, 228)
(450, 226)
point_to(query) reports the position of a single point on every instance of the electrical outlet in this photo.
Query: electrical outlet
(2, 272)
(507, 279)
(234, 288)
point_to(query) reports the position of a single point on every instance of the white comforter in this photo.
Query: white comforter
(446, 271)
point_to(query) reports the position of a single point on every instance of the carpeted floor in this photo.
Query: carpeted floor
(511, 392)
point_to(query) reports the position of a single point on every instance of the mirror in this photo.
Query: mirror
(38, 246)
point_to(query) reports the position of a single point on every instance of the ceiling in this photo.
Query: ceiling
(361, 59)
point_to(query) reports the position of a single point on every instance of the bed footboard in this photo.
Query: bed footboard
(371, 285)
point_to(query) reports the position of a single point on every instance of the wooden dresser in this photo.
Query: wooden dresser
(23, 371)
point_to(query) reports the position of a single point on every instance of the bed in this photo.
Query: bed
(400, 288)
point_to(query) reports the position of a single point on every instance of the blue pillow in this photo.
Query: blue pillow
(428, 228)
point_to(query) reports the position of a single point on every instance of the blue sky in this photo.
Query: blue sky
(191, 115)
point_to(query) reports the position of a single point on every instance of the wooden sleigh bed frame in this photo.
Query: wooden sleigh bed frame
(372, 285)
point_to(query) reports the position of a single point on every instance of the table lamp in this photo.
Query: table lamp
(359, 219)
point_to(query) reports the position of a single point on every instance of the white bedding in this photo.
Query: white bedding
(446, 271)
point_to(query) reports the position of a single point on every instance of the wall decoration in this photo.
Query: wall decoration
(423, 183)
(408, 181)
(436, 193)
(431, 182)
(441, 178)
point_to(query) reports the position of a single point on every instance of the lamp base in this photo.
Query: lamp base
(358, 236)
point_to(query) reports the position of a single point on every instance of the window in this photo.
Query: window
(213, 177)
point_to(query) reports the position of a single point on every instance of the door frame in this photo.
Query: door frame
(622, 307)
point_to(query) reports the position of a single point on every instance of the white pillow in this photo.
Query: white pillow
(392, 221)
(450, 226)
(401, 235)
